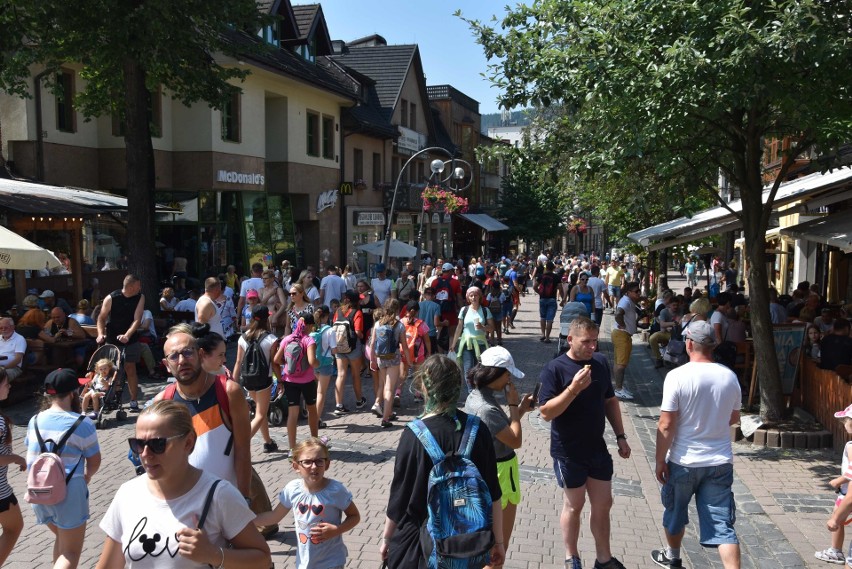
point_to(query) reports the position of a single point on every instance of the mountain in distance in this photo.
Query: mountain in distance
(510, 118)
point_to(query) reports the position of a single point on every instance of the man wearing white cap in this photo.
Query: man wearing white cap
(701, 400)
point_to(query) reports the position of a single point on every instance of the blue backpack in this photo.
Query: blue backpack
(457, 533)
(387, 340)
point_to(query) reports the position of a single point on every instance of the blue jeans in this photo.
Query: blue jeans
(468, 361)
(547, 309)
(714, 500)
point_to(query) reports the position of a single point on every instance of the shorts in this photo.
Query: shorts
(547, 309)
(385, 363)
(496, 313)
(714, 500)
(622, 343)
(506, 309)
(614, 292)
(7, 503)
(325, 370)
(71, 512)
(132, 352)
(573, 473)
(356, 354)
(510, 481)
(259, 386)
(294, 392)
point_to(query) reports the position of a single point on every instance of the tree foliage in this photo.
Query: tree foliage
(128, 49)
(690, 87)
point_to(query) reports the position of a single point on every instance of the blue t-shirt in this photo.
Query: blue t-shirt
(327, 505)
(578, 432)
(512, 274)
(428, 311)
(52, 424)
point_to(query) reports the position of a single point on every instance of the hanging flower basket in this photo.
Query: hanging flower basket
(436, 198)
(577, 225)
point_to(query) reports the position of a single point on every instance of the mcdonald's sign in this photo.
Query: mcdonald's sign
(346, 188)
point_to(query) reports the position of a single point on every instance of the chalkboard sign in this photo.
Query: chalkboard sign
(789, 339)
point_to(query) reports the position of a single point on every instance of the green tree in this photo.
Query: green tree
(689, 85)
(129, 49)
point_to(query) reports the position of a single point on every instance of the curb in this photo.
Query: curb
(776, 438)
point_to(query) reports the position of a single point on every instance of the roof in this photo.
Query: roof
(312, 27)
(284, 11)
(31, 198)
(835, 229)
(305, 15)
(484, 221)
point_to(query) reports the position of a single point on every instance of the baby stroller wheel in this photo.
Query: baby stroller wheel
(99, 424)
(276, 415)
(121, 415)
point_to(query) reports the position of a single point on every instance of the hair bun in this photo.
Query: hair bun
(200, 330)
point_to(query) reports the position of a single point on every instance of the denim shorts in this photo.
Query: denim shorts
(356, 354)
(714, 500)
(573, 473)
(547, 309)
(70, 513)
(614, 292)
(385, 363)
(325, 370)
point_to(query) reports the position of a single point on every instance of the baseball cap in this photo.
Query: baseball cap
(447, 267)
(845, 413)
(61, 381)
(701, 332)
(499, 356)
(260, 312)
(252, 294)
(380, 268)
(47, 294)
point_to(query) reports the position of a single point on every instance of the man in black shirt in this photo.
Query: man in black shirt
(118, 322)
(836, 348)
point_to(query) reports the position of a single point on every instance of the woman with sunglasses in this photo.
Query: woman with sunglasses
(583, 293)
(306, 279)
(275, 300)
(155, 520)
(299, 303)
(81, 457)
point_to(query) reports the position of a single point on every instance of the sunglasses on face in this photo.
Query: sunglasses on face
(319, 462)
(186, 353)
(293, 293)
(157, 445)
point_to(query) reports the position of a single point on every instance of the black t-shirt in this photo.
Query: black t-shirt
(407, 502)
(835, 350)
(578, 432)
(121, 316)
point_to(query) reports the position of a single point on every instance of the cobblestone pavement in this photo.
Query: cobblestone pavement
(782, 496)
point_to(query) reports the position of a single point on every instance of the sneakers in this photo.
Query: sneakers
(386, 424)
(376, 410)
(831, 555)
(624, 394)
(271, 446)
(326, 441)
(322, 425)
(134, 406)
(340, 410)
(397, 400)
(660, 558)
(573, 563)
(361, 403)
(613, 563)
(92, 415)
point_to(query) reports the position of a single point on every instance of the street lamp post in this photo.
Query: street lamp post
(396, 189)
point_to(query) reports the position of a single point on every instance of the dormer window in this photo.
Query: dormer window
(308, 51)
(271, 34)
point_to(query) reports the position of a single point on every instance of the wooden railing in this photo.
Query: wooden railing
(823, 393)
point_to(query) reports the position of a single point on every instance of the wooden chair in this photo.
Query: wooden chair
(744, 362)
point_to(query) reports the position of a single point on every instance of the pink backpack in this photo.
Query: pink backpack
(46, 480)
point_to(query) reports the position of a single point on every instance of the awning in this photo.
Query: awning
(484, 221)
(719, 219)
(834, 230)
(28, 197)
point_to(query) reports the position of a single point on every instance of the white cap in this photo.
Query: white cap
(47, 294)
(499, 356)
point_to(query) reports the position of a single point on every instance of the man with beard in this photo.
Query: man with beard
(224, 436)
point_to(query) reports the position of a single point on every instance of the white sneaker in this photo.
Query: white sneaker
(831, 555)
(624, 393)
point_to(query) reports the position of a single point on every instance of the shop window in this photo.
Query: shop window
(231, 119)
(313, 134)
(328, 137)
(66, 119)
(358, 164)
(104, 240)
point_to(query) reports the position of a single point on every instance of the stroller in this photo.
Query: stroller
(112, 398)
(571, 311)
(278, 406)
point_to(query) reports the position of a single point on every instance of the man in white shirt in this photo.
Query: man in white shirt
(188, 304)
(255, 282)
(206, 311)
(381, 285)
(13, 346)
(332, 286)
(597, 284)
(701, 400)
(626, 317)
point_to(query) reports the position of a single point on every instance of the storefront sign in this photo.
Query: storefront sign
(247, 178)
(788, 347)
(370, 218)
(447, 218)
(436, 218)
(326, 200)
(403, 219)
(345, 189)
(410, 141)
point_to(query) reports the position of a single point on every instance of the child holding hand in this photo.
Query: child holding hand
(318, 505)
(843, 505)
(99, 381)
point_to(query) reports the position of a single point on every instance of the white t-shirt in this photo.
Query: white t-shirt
(265, 346)
(253, 283)
(598, 286)
(186, 305)
(381, 289)
(16, 344)
(145, 526)
(334, 287)
(327, 505)
(719, 318)
(704, 395)
(629, 315)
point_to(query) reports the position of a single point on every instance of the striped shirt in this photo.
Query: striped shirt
(52, 424)
(5, 450)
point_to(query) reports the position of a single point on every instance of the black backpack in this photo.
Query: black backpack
(254, 369)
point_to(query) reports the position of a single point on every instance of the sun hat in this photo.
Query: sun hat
(499, 356)
(701, 332)
(30, 301)
(47, 294)
(61, 381)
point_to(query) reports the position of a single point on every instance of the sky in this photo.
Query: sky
(447, 47)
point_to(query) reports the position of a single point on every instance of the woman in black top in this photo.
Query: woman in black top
(440, 380)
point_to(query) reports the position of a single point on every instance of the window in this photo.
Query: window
(155, 116)
(358, 164)
(231, 119)
(328, 137)
(65, 116)
(421, 173)
(377, 169)
(412, 117)
(271, 34)
(313, 134)
(403, 113)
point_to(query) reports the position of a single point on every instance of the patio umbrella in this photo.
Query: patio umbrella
(397, 249)
(19, 253)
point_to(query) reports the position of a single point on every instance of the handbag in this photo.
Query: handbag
(675, 348)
